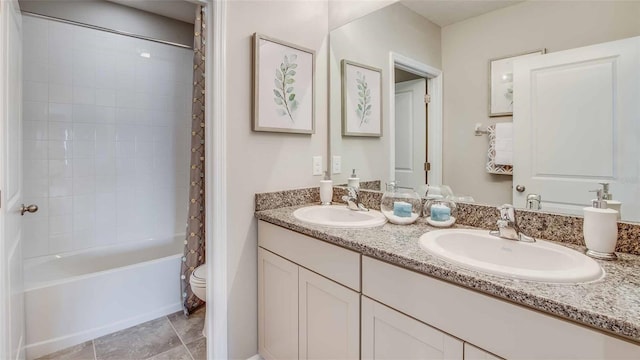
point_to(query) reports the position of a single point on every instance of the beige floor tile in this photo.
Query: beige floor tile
(138, 342)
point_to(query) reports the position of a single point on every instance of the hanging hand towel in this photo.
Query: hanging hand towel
(492, 167)
(504, 144)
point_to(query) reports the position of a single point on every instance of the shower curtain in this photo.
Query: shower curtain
(194, 248)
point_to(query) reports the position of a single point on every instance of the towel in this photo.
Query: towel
(504, 144)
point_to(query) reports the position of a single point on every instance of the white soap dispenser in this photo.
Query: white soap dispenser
(353, 180)
(600, 229)
(326, 190)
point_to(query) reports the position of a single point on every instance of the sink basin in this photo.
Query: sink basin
(339, 216)
(540, 261)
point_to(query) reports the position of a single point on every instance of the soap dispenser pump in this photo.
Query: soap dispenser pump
(353, 180)
(608, 197)
(600, 229)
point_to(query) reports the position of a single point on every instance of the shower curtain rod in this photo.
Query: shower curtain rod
(99, 28)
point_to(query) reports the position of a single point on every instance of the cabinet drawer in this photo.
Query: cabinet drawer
(336, 263)
(503, 328)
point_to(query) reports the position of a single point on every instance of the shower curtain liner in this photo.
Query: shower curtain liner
(194, 244)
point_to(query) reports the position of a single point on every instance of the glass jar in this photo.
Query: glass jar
(401, 206)
(439, 211)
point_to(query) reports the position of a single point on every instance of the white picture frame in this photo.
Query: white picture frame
(501, 83)
(361, 100)
(283, 86)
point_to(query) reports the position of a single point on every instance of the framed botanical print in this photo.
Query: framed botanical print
(501, 83)
(361, 100)
(283, 86)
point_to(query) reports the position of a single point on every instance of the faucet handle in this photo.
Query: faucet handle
(353, 192)
(507, 212)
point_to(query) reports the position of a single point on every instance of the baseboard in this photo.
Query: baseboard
(42, 348)
(255, 357)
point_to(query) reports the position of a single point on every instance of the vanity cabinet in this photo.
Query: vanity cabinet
(305, 314)
(389, 334)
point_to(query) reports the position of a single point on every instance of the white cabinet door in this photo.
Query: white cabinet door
(277, 307)
(388, 334)
(473, 353)
(576, 115)
(329, 318)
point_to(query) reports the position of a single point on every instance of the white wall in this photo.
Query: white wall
(369, 40)
(114, 16)
(342, 12)
(466, 49)
(260, 161)
(106, 138)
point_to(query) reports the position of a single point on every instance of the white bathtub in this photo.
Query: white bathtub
(79, 296)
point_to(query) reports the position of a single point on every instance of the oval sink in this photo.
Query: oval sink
(339, 216)
(540, 261)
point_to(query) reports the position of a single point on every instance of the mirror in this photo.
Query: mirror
(448, 46)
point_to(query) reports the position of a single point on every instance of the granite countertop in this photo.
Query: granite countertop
(611, 304)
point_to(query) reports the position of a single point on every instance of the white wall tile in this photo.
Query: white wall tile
(60, 224)
(35, 150)
(35, 130)
(84, 95)
(84, 131)
(35, 111)
(60, 112)
(35, 91)
(59, 149)
(60, 243)
(105, 149)
(60, 187)
(105, 114)
(84, 113)
(60, 206)
(36, 187)
(84, 167)
(106, 184)
(84, 185)
(106, 97)
(37, 71)
(84, 149)
(62, 94)
(61, 168)
(60, 130)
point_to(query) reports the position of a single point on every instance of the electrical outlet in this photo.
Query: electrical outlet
(336, 165)
(317, 165)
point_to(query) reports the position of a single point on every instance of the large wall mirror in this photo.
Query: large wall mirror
(571, 109)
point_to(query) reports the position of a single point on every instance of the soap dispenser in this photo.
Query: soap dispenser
(353, 180)
(608, 197)
(326, 189)
(600, 229)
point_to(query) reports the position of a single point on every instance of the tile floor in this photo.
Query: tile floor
(172, 337)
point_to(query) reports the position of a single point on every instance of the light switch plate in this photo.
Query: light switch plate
(317, 165)
(336, 164)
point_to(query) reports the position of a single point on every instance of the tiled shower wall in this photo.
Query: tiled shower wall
(106, 131)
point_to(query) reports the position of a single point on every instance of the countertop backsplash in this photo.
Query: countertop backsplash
(563, 228)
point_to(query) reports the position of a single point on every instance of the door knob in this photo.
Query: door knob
(31, 208)
(520, 188)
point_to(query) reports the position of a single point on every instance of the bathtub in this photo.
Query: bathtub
(75, 297)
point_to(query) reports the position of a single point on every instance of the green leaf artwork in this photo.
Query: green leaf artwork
(364, 99)
(284, 92)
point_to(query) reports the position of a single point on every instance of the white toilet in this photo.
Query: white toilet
(198, 281)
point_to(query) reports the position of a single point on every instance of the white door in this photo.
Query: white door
(411, 133)
(277, 307)
(388, 334)
(577, 124)
(329, 319)
(11, 284)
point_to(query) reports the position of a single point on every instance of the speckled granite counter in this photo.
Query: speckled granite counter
(611, 304)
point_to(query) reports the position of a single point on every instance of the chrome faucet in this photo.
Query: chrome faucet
(508, 225)
(353, 200)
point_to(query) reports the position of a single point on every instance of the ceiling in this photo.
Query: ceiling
(175, 9)
(447, 12)
(441, 12)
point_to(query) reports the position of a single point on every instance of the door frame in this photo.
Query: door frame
(434, 113)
